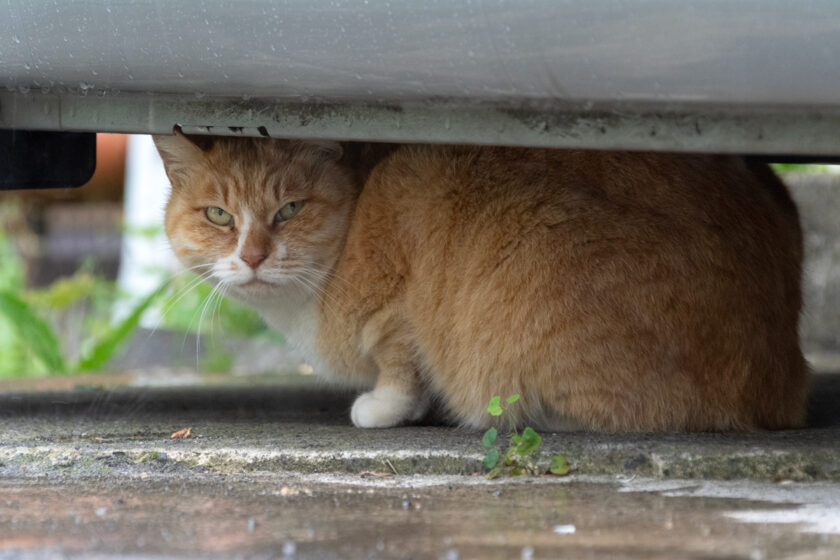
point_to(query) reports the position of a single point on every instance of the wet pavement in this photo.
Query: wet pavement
(320, 516)
(274, 470)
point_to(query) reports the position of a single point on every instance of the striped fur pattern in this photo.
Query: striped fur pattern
(613, 291)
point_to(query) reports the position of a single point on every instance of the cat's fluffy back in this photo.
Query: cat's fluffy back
(620, 291)
(626, 291)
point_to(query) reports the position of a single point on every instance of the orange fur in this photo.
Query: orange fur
(613, 291)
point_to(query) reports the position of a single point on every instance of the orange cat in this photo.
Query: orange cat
(613, 291)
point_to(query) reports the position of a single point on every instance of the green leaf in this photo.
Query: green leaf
(64, 292)
(512, 399)
(32, 331)
(495, 406)
(494, 473)
(511, 458)
(12, 270)
(559, 466)
(491, 458)
(108, 345)
(217, 361)
(489, 437)
(530, 441)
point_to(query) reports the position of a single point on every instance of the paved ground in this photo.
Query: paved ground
(275, 470)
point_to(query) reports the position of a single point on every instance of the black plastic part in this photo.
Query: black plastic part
(31, 159)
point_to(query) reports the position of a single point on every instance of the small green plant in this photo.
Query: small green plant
(43, 346)
(523, 453)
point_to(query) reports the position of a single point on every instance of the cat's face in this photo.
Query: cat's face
(257, 217)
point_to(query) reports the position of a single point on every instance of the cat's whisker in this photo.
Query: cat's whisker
(319, 278)
(162, 246)
(193, 284)
(326, 303)
(198, 269)
(208, 304)
(216, 311)
(171, 305)
(218, 296)
(179, 273)
(194, 267)
(312, 282)
(223, 289)
(334, 275)
(329, 302)
(323, 275)
(316, 276)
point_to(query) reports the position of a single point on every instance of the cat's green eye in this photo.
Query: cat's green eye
(288, 211)
(218, 216)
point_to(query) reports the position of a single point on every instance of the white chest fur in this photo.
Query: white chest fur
(298, 322)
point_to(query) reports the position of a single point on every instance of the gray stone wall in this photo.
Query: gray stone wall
(818, 197)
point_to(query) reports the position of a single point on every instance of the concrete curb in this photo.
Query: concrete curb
(299, 427)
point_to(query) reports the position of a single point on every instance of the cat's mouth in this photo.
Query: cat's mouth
(255, 282)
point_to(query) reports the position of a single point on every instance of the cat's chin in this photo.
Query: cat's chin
(256, 283)
(256, 290)
(253, 290)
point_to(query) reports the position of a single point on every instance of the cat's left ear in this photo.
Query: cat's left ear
(180, 152)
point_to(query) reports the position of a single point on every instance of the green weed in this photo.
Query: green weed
(41, 344)
(523, 454)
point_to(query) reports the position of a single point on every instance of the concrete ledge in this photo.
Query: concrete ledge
(295, 425)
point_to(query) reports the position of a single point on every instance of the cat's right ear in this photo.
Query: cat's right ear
(181, 152)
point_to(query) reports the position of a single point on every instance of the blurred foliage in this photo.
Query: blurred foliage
(816, 169)
(191, 304)
(29, 338)
(29, 343)
(216, 361)
(11, 267)
(68, 326)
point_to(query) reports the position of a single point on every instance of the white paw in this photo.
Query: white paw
(385, 407)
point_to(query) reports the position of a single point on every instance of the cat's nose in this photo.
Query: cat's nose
(253, 259)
